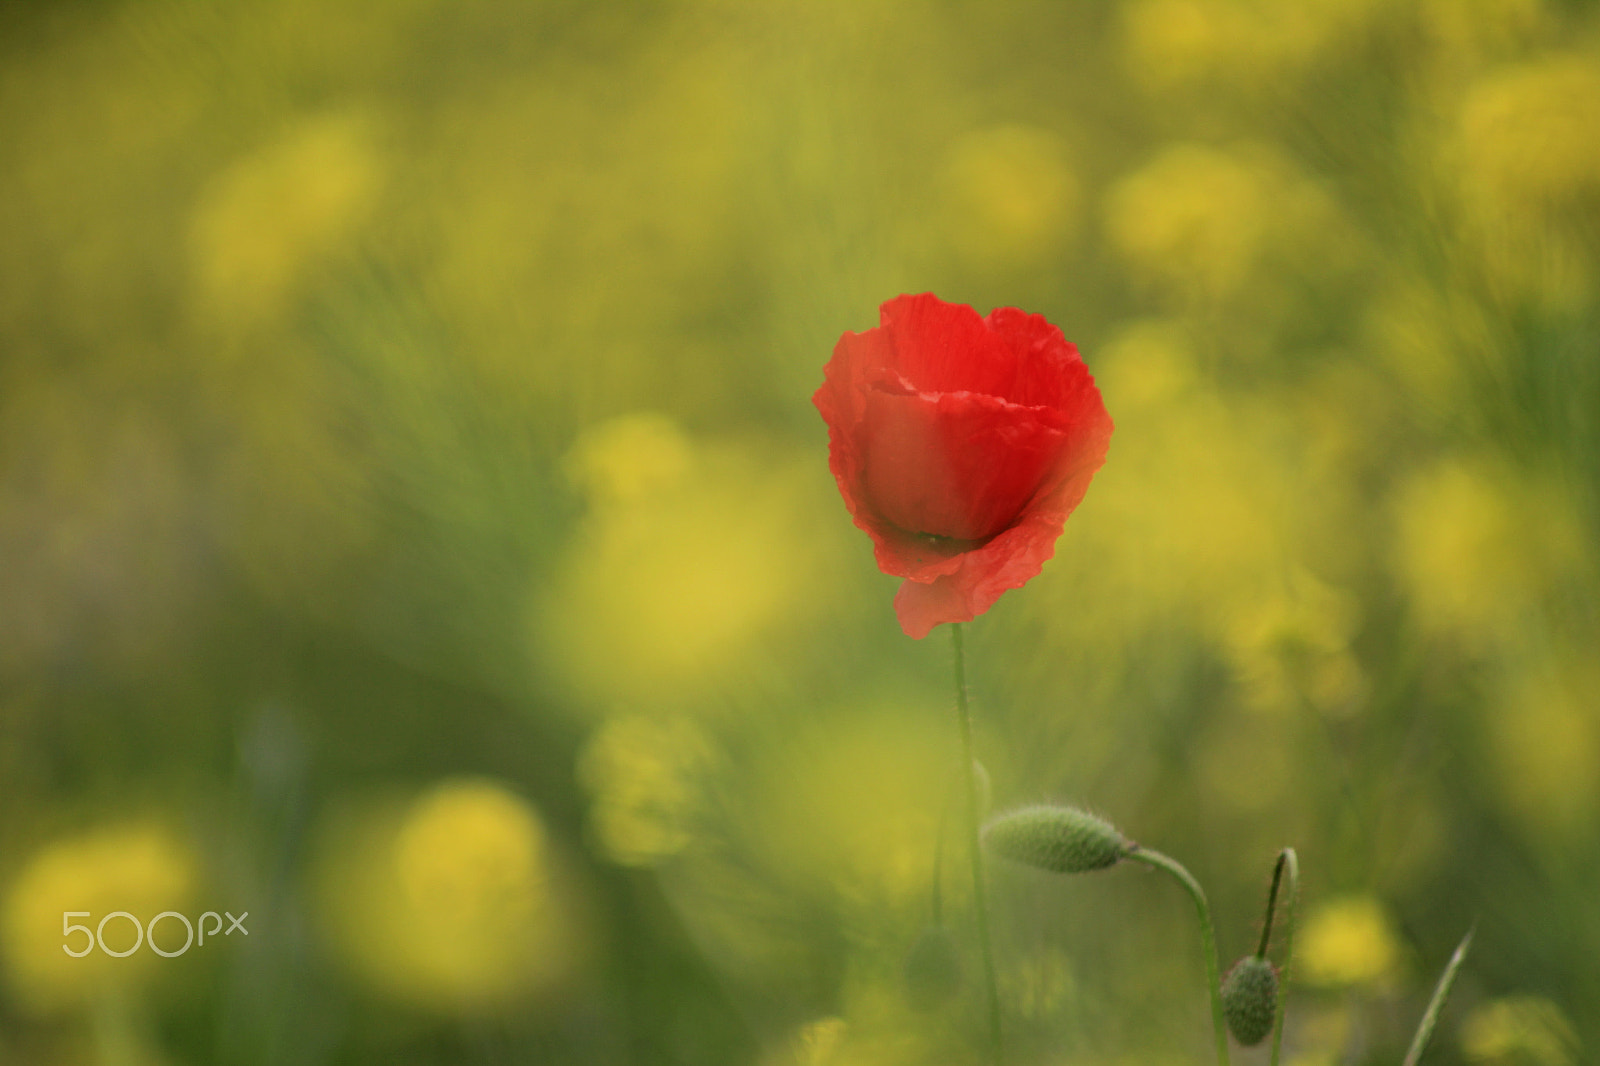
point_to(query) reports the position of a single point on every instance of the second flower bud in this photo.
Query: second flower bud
(1063, 840)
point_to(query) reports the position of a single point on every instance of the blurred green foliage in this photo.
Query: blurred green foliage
(414, 530)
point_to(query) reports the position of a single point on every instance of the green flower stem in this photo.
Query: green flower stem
(979, 896)
(1272, 905)
(1208, 936)
(1288, 862)
(1441, 992)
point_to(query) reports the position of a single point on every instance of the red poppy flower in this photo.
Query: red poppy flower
(961, 444)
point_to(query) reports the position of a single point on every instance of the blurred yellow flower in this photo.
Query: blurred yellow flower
(453, 902)
(1347, 942)
(1170, 42)
(1530, 135)
(1192, 217)
(1519, 1031)
(1525, 159)
(1479, 544)
(689, 555)
(1245, 43)
(630, 458)
(1201, 220)
(642, 772)
(1149, 363)
(264, 220)
(1012, 195)
(143, 869)
(1543, 742)
(1199, 521)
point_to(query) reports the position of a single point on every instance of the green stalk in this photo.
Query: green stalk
(979, 896)
(1288, 862)
(1208, 936)
(1430, 1018)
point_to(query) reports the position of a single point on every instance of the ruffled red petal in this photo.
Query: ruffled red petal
(961, 592)
(955, 465)
(960, 445)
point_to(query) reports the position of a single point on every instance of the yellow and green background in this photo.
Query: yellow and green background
(415, 531)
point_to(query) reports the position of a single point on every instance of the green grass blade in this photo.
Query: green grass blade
(1431, 1017)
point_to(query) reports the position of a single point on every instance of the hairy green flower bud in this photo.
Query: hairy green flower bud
(1064, 840)
(1250, 999)
(933, 970)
